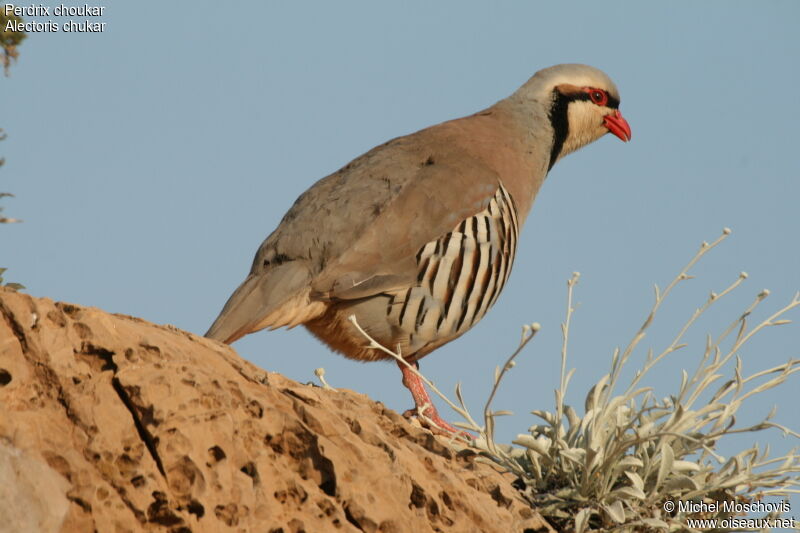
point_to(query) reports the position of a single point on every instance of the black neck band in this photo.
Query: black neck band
(560, 123)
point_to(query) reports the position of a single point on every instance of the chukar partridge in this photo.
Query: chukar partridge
(416, 237)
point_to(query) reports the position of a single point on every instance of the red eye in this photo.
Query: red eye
(598, 96)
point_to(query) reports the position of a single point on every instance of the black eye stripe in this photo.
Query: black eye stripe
(612, 103)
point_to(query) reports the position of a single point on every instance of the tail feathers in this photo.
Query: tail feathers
(279, 297)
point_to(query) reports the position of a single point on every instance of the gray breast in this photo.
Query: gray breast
(459, 277)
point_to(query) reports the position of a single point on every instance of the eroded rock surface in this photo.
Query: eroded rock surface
(149, 428)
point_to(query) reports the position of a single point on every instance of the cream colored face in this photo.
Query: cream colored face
(586, 124)
(587, 113)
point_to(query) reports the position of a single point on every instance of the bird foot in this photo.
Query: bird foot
(433, 422)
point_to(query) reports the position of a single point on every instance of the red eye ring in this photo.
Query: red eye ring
(597, 96)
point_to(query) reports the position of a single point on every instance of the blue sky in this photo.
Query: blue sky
(150, 161)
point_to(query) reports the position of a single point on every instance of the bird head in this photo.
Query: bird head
(581, 103)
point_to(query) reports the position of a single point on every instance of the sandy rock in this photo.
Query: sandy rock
(149, 428)
(32, 495)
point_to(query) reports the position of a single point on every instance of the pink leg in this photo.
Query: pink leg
(422, 402)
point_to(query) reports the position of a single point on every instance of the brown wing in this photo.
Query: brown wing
(384, 256)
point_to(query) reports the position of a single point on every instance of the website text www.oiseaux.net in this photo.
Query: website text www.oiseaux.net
(742, 509)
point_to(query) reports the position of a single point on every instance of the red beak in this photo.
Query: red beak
(617, 125)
